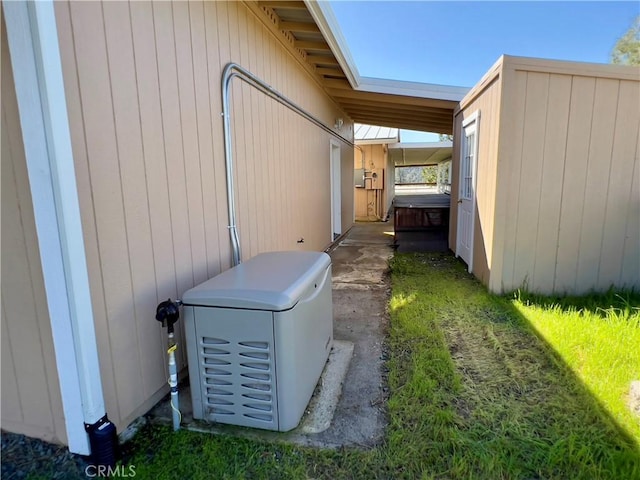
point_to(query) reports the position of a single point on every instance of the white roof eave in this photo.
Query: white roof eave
(412, 89)
(327, 22)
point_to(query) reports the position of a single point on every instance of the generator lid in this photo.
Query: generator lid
(272, 281)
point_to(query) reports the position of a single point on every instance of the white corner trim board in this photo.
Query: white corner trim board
(36, 63)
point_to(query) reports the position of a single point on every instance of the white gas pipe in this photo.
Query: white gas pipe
(168, 312)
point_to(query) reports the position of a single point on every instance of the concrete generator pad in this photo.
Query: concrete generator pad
(325, 400)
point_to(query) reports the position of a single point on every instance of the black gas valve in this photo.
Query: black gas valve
(168, 312)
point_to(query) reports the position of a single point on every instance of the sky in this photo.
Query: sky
(456, 42)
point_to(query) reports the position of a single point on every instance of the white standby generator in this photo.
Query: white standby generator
(258, 337)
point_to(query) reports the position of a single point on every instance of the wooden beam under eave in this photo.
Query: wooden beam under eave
(312, 46)
(335, 72)
(390, 98)
(282, 4)
(413, 113)
(409, 118)
(261, 15)
(322, 60)
(299, 27)
(338, 84)
(397, 108)
(409, 125)
(386, 103)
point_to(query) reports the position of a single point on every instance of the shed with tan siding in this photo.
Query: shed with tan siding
(557, 176)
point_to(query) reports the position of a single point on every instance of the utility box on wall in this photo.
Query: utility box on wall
(258, 337)
(374, 179)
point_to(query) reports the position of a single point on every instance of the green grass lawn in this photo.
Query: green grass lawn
(475, 393)
(598, 337)
(501, 403)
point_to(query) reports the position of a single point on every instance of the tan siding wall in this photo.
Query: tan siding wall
(572, 208)
(371, 204)
(487, 101)
(143, 92)
(31, 401)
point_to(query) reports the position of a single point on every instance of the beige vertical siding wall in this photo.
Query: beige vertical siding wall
(569, 178)
(486, 99)
(31, 401)
(143, 92)
(371, 205)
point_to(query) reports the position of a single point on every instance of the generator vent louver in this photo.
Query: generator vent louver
(227, 365)
(258, 337)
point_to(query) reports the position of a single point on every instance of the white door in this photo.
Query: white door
(336, 192)
(466, 193)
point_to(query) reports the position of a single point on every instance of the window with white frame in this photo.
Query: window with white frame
(469, 145)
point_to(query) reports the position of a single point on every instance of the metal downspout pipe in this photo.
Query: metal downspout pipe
(234, 70)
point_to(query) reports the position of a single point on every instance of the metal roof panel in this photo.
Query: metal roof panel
(374, 132)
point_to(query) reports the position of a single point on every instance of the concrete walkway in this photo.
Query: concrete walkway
(348, 408)
(361, 292)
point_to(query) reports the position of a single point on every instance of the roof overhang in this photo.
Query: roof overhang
(419, 154)
(313, 30)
